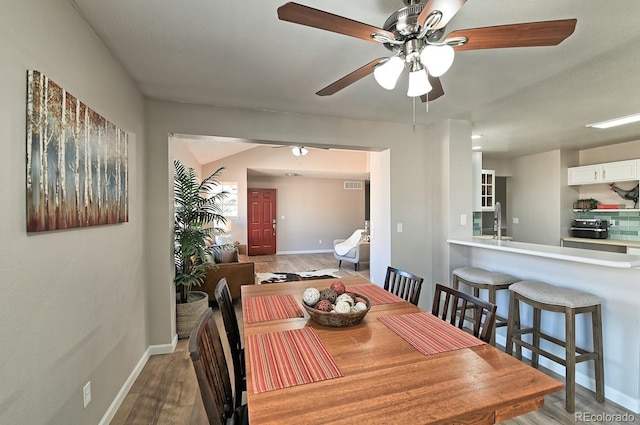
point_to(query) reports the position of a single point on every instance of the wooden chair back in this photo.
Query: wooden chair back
(206, 351)
(455, 306)
(403, 284)
(232, 329)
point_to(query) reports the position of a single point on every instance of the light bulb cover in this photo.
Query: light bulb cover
(299, 151)
(437, 58)
(418, 83)
(387, 73)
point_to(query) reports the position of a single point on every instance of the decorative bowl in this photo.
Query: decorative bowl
(339, 320)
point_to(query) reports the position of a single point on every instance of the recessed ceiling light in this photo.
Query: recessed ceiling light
(291, 174)
(476, 148)
(616, 121)
(476, 136)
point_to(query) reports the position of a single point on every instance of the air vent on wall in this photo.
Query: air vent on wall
(353, 185)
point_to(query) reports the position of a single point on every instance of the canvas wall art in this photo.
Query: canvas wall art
(77, 170)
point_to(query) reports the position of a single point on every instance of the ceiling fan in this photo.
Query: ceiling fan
(413, 34)
(299, 150)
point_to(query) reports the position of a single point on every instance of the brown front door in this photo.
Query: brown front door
(261, 206)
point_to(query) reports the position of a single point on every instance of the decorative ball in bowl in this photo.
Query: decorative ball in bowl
(334, 306)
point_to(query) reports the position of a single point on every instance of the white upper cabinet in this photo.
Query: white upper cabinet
(587, 174)
(609, 172)
(620, 171)
(487, 190)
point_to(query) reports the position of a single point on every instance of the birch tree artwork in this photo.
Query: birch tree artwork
(77, 169)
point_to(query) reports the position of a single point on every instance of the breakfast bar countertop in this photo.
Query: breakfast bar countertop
(600, 258)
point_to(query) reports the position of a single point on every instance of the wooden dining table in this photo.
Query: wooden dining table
(384, 379)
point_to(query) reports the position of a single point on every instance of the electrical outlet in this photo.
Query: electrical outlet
(399, 227)
(320, 241)
(86, 393)
(613, 223)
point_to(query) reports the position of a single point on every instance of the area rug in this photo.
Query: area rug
(279, 277)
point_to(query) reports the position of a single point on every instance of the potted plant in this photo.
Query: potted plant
(197, 213)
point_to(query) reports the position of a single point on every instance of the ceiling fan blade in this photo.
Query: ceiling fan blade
(436, 90)
(530, 34)
(304, 15)
(350, 78)
(448, 8)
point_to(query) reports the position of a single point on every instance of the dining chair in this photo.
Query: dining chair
(207, 354)
(403, 284)
(452, 309)
(232, 329)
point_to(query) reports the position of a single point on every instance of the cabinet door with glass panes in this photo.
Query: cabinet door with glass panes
(487, 190)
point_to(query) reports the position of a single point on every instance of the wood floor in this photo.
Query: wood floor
(166, 392)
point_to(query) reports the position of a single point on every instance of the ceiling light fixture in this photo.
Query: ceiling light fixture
(421, 57)
(476, 136)
(418, 81)
(299, 151)
(388, 72)
(616, 122)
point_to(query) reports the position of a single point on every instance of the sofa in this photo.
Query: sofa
(239, 272)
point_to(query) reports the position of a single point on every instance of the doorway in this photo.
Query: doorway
(261, 221)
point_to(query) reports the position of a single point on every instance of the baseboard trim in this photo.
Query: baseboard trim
(117, 401)
(312, 251)
(126, 387)
(164, 348)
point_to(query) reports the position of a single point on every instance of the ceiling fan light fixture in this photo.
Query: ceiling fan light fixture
(299, 151)
(418, 81)
(387, 74)
(437, 58)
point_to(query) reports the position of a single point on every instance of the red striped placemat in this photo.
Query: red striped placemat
(376, 294)
(270, 307)
(289, 358)
(429, 334)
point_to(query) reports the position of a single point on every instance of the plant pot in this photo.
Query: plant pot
(188, 314)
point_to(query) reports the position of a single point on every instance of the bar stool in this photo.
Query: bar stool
(478, 279)
(542, 296)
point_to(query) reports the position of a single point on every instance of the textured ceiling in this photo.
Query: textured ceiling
(523, 100)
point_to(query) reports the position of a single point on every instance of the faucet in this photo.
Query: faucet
(497, 221)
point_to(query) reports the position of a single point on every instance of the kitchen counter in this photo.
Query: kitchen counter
(613, 277)
(615, 242)
(608, 259)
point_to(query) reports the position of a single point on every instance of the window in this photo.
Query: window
(230, 202)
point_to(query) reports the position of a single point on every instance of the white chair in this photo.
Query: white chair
(353, 250)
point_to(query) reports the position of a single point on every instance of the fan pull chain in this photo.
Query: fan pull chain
(414, 114)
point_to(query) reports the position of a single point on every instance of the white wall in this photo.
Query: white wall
(311, 213)
(73, 305)
(451, 190)
(534, 197)
(380, 228)
(184, 155)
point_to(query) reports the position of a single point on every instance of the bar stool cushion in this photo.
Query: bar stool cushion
(484, 277)
(549, 294)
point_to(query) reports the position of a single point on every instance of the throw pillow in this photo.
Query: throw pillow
(225, 253)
